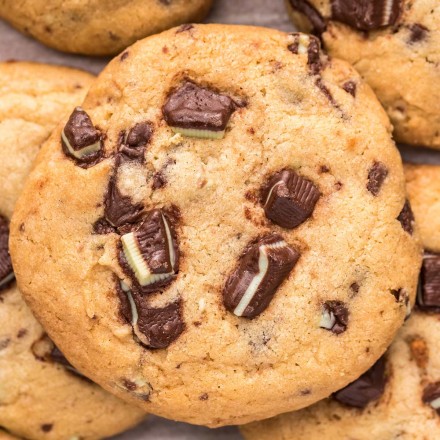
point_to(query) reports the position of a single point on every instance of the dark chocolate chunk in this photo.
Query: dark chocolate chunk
(401, 296)
(366, 15)
(6, 271)
(428, 296)
(153, 327)
(132, 145)
(46, 351)
(311, 44)
(47, 427)
(289, 199)
(376, 177)
(418, 33)
(159, 180)
(263, 266)
(192, 107)
(119, 209)
(102, 227)
(80, 138)
(369, 387)
(184, 28)
(161, 326)
(431, 396)
(350, 87)
(314, 16)
(334, 317)
(150, 253)
(406, 218)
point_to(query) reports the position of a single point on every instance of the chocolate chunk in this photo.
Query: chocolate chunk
(263, 266)
(406, 218)
(428, 296)
(132, 145)
(418, 33)
(314, 16)
(350, 87)
(150, 253)
(198, 111)
(289, 199)
(46, 351)
(159, 180)
(369, 387)
(80, 139)
(401, 296)
(334, 317)
(366, 15)
(376, 177)
(6, 271)
(184, 28)
(154, 327)
(119, 209)
(47, 427)
(102, 227)
(431, 396)
(309, 44)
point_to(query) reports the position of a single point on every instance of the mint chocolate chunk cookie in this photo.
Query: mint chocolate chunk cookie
(395, 46)
(245, 225)
(96, 27)
(41, 394)
(399, 397)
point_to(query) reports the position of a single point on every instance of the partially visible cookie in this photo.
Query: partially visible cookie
(41, 395)
(395, 45)
(235, 223)
(99, 27)
(33, 97)
(423, 185)
(400, 396)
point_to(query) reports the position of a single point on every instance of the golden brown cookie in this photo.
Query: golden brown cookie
(98, 27)
(235, 223)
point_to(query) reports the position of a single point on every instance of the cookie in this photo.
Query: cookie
(398, 397)
(395, 45)
(233, 227)
(99, 27)
(41, 394)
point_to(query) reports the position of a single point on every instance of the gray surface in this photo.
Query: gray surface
(14, 45)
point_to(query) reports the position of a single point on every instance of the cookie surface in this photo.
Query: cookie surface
(41, 396)
(401, 404)
(98, 27)
(233, 228)
(395, 45)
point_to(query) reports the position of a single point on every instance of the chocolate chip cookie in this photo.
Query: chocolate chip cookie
(41, 394)
(98, 27)
(395, 45)
(400, 396)
(216, 229)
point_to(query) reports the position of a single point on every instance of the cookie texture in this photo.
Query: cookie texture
(395, 45)
(199, 300)
(6, 436)
(99, 27)
(41, 394)
(405, 407)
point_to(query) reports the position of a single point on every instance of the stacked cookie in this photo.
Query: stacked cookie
(221, 232)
